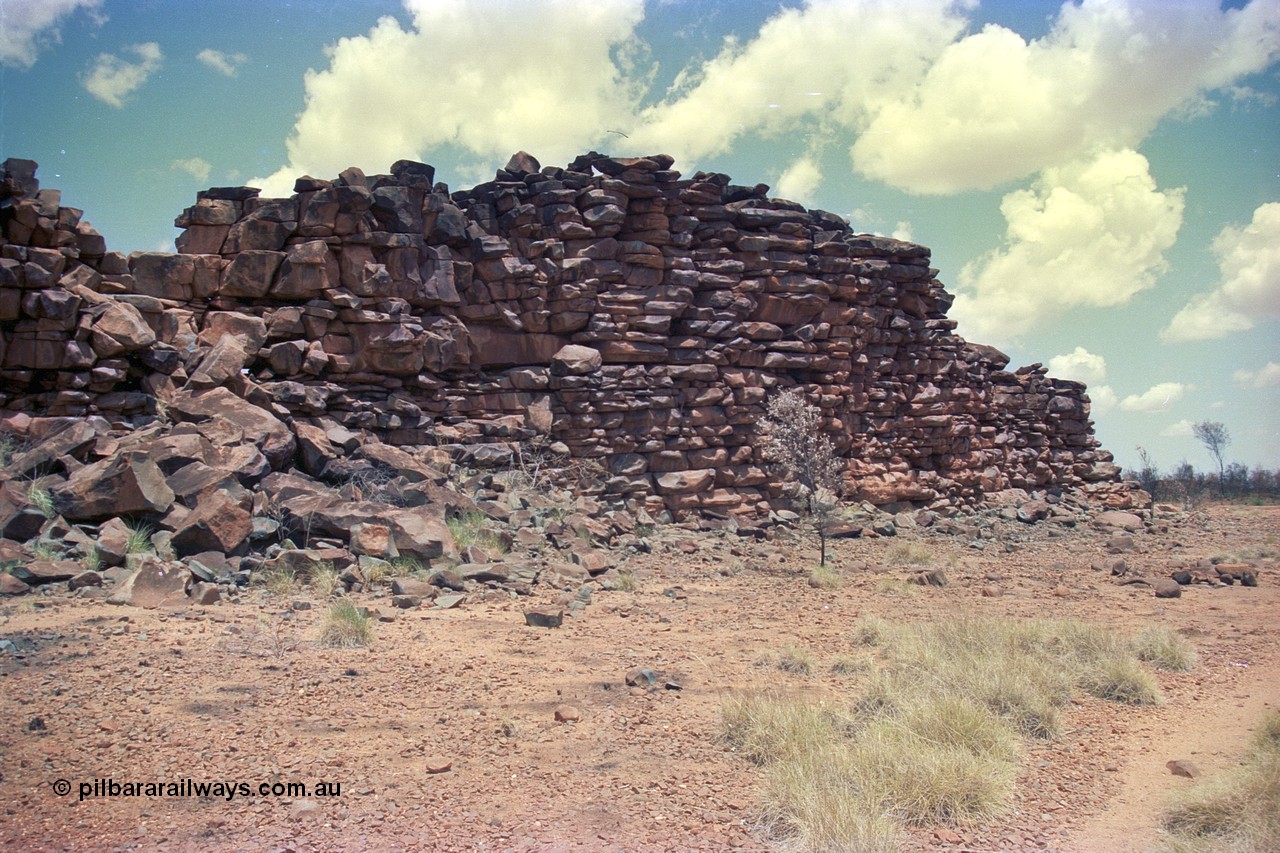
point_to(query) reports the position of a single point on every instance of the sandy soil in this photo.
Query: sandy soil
(240, 692)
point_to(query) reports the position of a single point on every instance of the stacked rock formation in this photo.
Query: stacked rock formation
(612, 309)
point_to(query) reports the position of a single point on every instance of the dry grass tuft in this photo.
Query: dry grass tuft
(824, 577)
(346, 626)
(795, 660)
(278, 581)
(896, 586)
(471, 529)
(323, 579)
(1236, 811)
(908, 554)
(934, 734)
(1165, 649)
(870, 630)
(851, 664)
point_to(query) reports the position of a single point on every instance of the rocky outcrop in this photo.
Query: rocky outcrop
(612, 311)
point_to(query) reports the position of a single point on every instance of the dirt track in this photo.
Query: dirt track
(240, 692)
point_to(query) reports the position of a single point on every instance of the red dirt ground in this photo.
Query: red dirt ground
(241, 692)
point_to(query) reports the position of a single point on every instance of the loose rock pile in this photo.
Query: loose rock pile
(611, 317)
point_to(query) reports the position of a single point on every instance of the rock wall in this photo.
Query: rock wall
(613, 308)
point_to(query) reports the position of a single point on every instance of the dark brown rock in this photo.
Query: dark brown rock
(413, 586)
(255, 424)
(216, 523)
(205, 594)
(544, 617)
(84, 579)
(9, 585)
(126, 484)
(45, 571)
(154, 583)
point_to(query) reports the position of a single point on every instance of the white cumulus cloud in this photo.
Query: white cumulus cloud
(1156, 398)
(1264, 377)
(1080, 365)
(112, 79)
(223, 63)
(1092, 233)
(799, 181)
(27, 26)
(395, 93)
(994, 107)
(196, 167)
(1248, 282)
(831, 63)
(1102, 399)
(1180, 429)
(917, 98)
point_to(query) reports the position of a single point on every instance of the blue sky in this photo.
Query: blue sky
(1099, 181)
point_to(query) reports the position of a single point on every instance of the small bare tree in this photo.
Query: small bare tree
(1215, 438)
(795, 441)
(1148, 475)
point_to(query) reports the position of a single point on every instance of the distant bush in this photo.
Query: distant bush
(794, 440)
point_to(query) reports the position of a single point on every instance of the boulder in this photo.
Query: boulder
(154, 583)
(1115, 519)
(46, 454)
(122, 485)
(544, 617)
(251, 273)
(113, 541)
(257, 425)
(9, 585)
(221, 363)
(374, 540)
(575, 360)
(216, 523)
(120, 329)
(84, 579)
(37, 572)
(308, 270)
